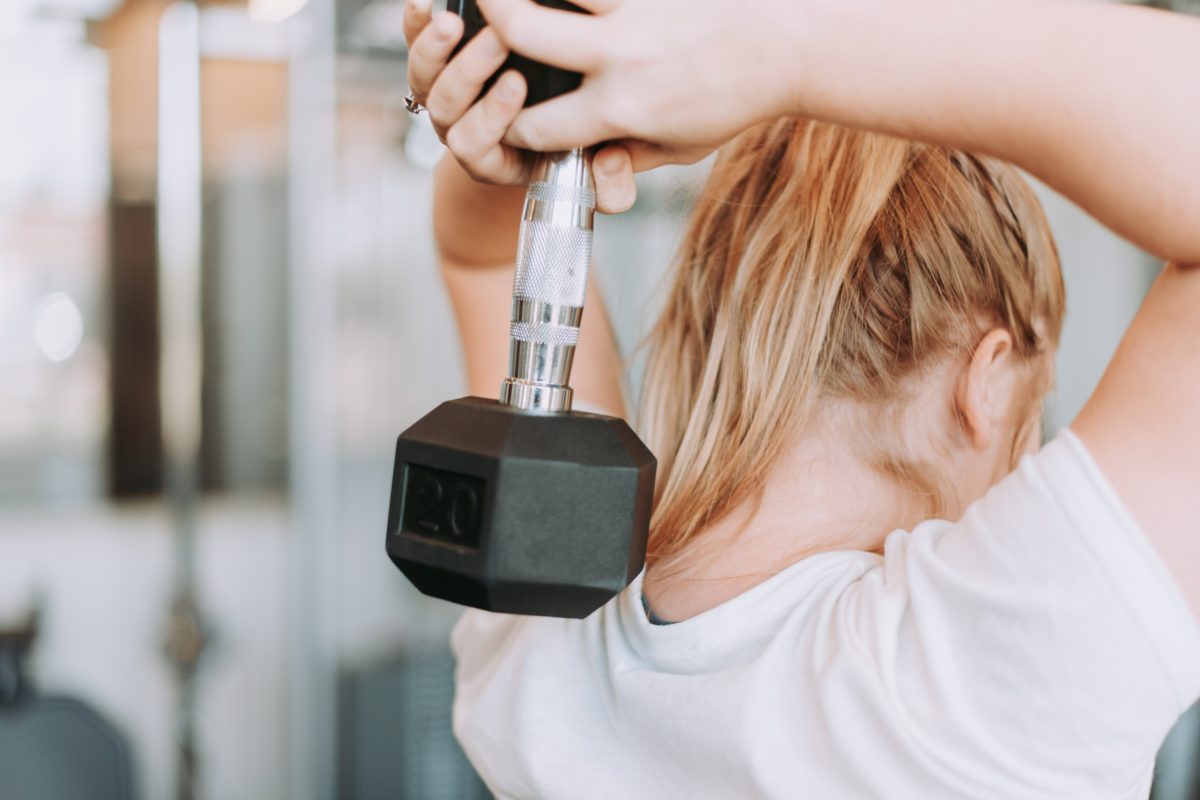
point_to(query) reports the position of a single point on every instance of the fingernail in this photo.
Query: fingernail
(445, 25)
(610, 165)
(510, 85)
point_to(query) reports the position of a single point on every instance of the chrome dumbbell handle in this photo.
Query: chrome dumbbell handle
(550, 286)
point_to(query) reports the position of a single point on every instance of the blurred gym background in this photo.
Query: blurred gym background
(218, 307)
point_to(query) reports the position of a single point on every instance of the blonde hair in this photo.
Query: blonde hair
(823, 262)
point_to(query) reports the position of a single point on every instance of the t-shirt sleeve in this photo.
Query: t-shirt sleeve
(1041, 634)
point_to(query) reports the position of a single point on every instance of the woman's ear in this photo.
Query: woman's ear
(984, 390)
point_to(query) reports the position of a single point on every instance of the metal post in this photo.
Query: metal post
(179, 203)
(313, 544)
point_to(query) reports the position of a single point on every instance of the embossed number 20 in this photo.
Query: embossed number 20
(443, 505)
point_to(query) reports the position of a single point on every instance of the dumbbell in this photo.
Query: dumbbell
(521, 505)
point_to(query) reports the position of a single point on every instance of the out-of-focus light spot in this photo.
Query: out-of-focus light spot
(273, 10)
(58, 326)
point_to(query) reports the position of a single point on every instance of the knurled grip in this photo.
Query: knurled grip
(552, 263)
(554, 248)
(554, 252)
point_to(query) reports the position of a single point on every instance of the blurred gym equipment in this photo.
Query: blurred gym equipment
(54, 748)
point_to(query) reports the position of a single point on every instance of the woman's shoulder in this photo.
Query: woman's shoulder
(1058, 487)
(1049, 574)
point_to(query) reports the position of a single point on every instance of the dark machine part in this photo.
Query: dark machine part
(522, 506)
(54, 748)
(544, 82)
(395, 734)
(15, 646)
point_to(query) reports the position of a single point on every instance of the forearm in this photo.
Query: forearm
(474, 224)
(1102, 102)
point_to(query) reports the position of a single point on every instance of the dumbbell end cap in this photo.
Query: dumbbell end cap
(517, 512)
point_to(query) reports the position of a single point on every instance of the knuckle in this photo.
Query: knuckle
(462, 143)
(447, 88)
(477, 167)
(458, 73)
(495, 105)
(530, 134)
(615, 111)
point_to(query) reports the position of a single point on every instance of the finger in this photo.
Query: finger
(615, 187)
(429, 53)
(572, 120)
(647, 156)
(416, 17)
(475, 139)
(565, 39)
(459, 84)
(644, 156)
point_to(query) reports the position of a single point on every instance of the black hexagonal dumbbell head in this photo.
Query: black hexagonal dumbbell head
(518, 512)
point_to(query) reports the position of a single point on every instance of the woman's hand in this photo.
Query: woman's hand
(671, 79)
(472, 130)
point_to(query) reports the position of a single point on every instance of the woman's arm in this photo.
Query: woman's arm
(1101, 101)
(1098, 100)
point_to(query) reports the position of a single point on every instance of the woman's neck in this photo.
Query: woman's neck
(819, 496)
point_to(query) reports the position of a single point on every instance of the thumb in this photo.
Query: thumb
(615, 187)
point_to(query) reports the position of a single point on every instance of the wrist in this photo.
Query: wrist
(825, 46)
(474, 223)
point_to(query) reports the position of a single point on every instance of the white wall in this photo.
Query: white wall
(1106, 280)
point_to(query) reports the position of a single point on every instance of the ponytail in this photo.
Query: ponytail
(825, 262)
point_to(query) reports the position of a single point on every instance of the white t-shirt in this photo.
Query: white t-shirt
(1038, 648)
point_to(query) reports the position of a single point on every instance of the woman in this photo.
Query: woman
(878, 584)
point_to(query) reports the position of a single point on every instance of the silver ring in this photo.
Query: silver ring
(411, 105)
